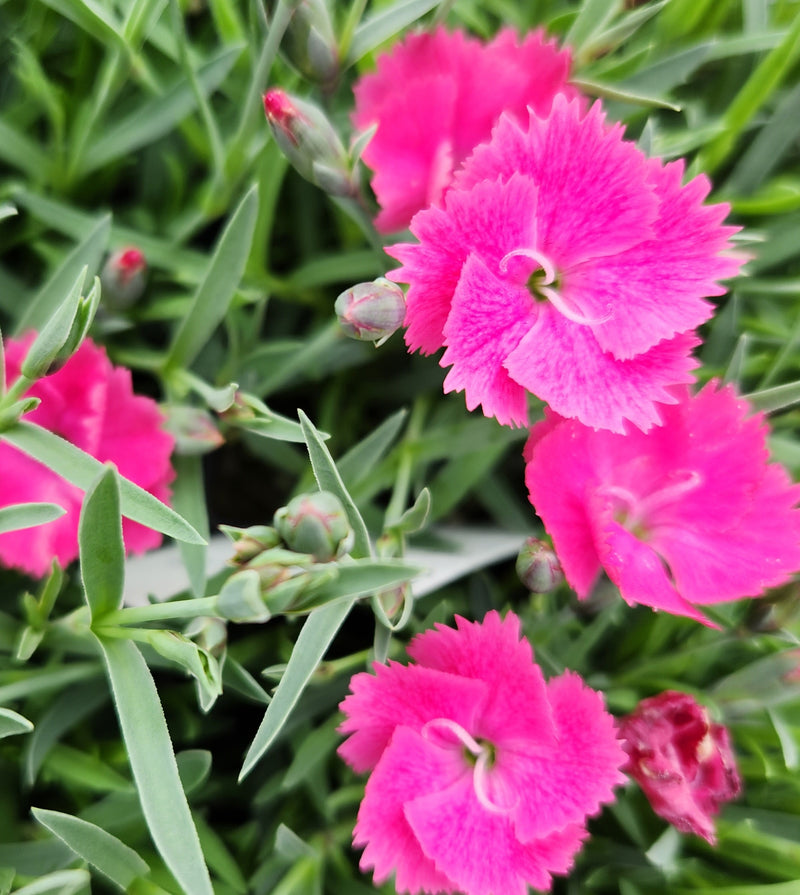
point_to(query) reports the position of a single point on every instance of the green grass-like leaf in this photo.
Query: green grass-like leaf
(28, 515)
(111, 857)
(155, 770)
(102, 551)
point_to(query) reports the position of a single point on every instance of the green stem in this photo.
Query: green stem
(136, 615)
(402, 483)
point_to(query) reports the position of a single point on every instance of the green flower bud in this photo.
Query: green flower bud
(311, 44)
(538, 567)
(371, 312)
(315, 524)
(306, 137)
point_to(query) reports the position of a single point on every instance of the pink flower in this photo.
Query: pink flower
(435, 96)
(683, 762)
(567, 264)
(690, 513)
(482, 775)
(91, 404)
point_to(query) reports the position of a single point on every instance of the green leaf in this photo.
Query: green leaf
(328, 479)
(360, 459)
(64, 713)
(157, 117)
(81, 469)
(219, 285)
(84, 770)
(155, 770)
(102, 551)
(372, 32)
(111, 857)
(592, 18)
(763, 82)
(188, 499)
(93, 17)
(19, 151)
(777, 398)
(87, 254)
(62, 882)
(7, 875)
(609, 91)
(7, 210)
(198, 662)
(312, 643)
(415, 516)
(27, 515)
(42, 680)
(12, 723)
(360, 579)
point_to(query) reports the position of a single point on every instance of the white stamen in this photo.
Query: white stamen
(481, 783)
(445, 725)
(542, 260)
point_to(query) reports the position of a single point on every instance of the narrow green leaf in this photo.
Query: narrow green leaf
(620, 31)
(609, 91)
(117, 861)
(42, 680)
(62, 882)
(372, 32)
(759, 87)
(12, 723)
(361, 458)
(19, 151)
(315, 638)
(188, 498)
(81, 469)
(593, 16)
(64, 713)
(7, 210)
(7, 875)
(102, 551)
(415, 516)
(360, 579)
(88, 253)
(328, 479)
(28, 515)
(777, 398)
(157, 117)
(219, 285)
(155, 770)
(93, 17)
(198, 662)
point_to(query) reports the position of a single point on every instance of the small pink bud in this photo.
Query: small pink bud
(538, 567)
(682, 761)
(371, 312)
(123, 277)
(306, 137)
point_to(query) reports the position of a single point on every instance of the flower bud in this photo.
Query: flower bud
(193, 429)
(371, 312)
(311, 44)
(306, 137)
(682, 761)
(316, 524)
(123, 278)
(249, 542)
(538, 567)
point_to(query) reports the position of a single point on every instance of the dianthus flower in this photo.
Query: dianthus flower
(91, 404)
(685, 515)
(483, 775)
(435, 96)
(682, 760)
(566, 264)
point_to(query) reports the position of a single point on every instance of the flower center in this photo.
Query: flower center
(545, 284)
(635, 513)
(478, 754)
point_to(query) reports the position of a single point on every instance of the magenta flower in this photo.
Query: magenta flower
(566, 264)
(683, 762)
(435, 96)
(482, 775)
(685, 515)
(91, 404)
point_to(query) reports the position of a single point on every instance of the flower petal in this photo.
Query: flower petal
(488, 319)
(495, 218)
(402, 695)
(410, 767)
(565, 784)
(492, 651)
(479, 850)
(563, 364)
